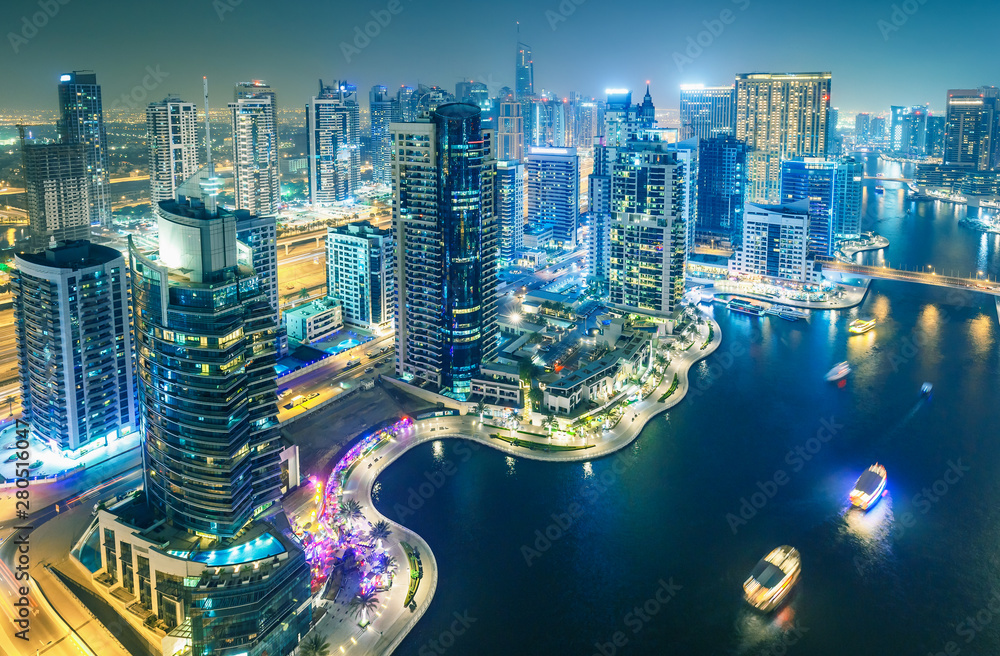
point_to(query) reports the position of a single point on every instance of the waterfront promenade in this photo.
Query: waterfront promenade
(395, 621)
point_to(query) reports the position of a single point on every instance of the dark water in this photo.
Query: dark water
(902, 579)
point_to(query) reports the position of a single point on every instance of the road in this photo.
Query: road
(55, 527)
(325, 381)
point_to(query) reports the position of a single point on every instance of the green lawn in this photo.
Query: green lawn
(673, 388)
(538, 446)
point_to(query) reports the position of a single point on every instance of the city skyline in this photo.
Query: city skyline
(851, 40)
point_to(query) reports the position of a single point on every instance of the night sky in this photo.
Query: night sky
(596, 44)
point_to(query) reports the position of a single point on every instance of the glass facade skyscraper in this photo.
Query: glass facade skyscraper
(707, 112)
(205, 342)
(510, 208)
(254, 119)
(721, 188)
(82, 122)
(444, 179)
(380, 113)
(812, 179)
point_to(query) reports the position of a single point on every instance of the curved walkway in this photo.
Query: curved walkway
(362, 479)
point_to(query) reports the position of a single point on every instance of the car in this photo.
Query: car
(369, 370)
(312, 396)
(283, 393)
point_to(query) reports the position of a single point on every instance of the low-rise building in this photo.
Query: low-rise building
(314, 321)
(601, 379)
(498, 383)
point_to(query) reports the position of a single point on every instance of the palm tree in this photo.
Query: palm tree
(350, 510)
(363, 603)
(550, 422)
(480, 408)
(10, 401)
(380, 531)
(304, 293)
(388, 563)
(315, 645)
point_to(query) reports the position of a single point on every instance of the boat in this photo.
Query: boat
(788, 312)
(746, 307)
(860, 326)
(840, 370)
(879, 189)
(926, 388)
(869, 488)
(773, 578)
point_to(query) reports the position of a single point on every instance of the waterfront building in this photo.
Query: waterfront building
(360, 270)
(57, 188)
(554, 191)
(971, 126)
(647, 229)
(862, 129)
(334, 143)
(908, 130)
(780, 116)
(707, 112)
(848, 191)
(812, 179)
(721, 189)
(775, 243)
(444, 180)
(380, 115)
(877, 131)
(81, 121)
(172, 133)
(510, 209)
(254, 122)
(315, 320)
(936, 130)
(74, 345)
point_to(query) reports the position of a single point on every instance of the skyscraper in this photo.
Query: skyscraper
(380, 113)
(82, 122)
(936, 130)
(404, 105)
(599, 249)
(647, 229)
(510, 131)
(780, 116)
(172, 133)
(260, 234)
(444, 179)
(848, 190)
(969, 129)
(877, 133)
(333, 131)
(57, 190)
(254, 119)
(524, 70)
(360, 273)
(71, 318)
(721, 188)
(707, 112)
(622, 121)
(554, 191)
(908, 130)
(862, 129)
(510, 208)
(832, 136)
(812, 179)
(775, 242)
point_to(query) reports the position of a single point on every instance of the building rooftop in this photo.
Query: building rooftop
(75, 255)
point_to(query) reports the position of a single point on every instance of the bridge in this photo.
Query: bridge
(980, 284)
